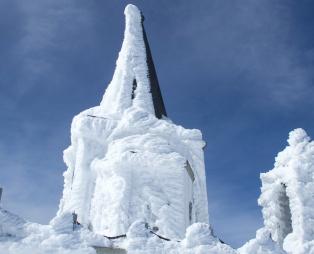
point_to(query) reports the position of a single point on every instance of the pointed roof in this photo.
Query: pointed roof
(159, 105)
(135, 81)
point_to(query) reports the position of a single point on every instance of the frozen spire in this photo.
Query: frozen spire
(134, 82)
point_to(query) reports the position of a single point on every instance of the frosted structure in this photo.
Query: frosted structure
(287, 199)
(134, 174)
(127, 161)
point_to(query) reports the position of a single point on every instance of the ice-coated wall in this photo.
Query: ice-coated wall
(288, 195)
(287, 199)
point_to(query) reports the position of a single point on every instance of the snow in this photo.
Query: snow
(125, 164)
(131, 65)
(199, 239)
(287, 186)
(287, 199)
(57, 237)
(262, 244)
(11, 224)
(132, 175)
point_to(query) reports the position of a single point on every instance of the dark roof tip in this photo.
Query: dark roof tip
(158, 102)
(143, 17)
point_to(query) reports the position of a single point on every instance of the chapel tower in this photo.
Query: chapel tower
(127, 161)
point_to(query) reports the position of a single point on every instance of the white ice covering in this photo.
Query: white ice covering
(124, 164)
(59, 238)
(130, 65)
(287, 200)
(20, 237)
(126, 168)
(10, 224)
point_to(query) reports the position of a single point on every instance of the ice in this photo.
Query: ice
(19, 236)
(136, 180)
(131, 65)
(262, 244)
(287, 197)
(199, 239)
(11, 225)
(125, 164)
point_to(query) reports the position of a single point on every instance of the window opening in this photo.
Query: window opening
(190, 171)
(134, 86)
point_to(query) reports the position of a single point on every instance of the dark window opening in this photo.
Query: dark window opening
(134, 86)
(190, 171)
(285, 226)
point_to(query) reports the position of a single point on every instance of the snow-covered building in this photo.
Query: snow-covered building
(127, 160)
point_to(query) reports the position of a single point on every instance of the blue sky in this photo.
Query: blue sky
(241, 71)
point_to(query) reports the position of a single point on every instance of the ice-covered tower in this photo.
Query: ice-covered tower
(127, 161)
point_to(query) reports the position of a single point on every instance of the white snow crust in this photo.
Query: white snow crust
(287, 200)
(199, 239)
(131, 174)
(124, 164)
(59, 238)
(262, 244)
(21, 237)
(10, 224)
(131, 65)
(133, 170)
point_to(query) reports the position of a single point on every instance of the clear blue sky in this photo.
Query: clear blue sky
(241, 71)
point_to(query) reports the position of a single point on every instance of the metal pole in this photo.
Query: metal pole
(1, 189)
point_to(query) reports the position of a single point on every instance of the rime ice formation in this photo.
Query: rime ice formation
(287, 198)
(127, 161)
(134, 174)
(134, 83)
(20, 237)
(10, 224)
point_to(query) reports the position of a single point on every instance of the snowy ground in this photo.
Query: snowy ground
(59, 237)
